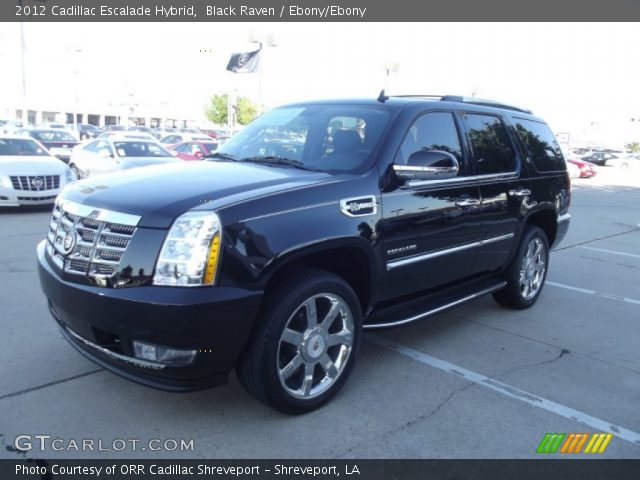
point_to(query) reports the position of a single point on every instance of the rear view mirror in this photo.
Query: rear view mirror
(428, 165)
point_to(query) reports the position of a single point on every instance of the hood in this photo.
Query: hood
(28, 165)
(160, 193)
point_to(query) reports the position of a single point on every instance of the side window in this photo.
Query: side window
(431, 131)
(541, 145)
(91, 147)
(492, 149)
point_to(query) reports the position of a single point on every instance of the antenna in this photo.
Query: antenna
(382, 97)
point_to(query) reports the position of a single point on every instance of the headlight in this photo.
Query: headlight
(5, 182)
(190, 253)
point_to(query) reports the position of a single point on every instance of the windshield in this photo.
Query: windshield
(53, 136)
(140, 149)
(10, 146)
(331, 138)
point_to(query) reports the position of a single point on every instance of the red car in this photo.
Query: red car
(194, 149)
(587, 169)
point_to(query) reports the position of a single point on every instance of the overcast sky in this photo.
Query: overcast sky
(582, 78)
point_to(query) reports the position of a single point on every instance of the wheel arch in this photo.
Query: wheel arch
(350, 258)
(547, 220)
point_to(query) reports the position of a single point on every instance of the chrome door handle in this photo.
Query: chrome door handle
(523, 192)
(468, 202)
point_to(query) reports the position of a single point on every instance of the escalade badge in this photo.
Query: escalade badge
(68, 243)
(359, 206)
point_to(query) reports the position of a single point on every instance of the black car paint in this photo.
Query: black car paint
(275, 216)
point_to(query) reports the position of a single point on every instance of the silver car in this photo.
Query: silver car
(105, 155)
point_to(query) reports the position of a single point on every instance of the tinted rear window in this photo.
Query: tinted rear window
(492, 148)
(541, 145)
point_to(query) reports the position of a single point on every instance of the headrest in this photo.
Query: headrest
(346, 141)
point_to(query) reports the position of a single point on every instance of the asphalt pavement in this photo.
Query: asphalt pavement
(478, 381)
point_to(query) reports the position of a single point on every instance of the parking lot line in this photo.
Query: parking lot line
(509, 391)
(610, 296)
(613, 251)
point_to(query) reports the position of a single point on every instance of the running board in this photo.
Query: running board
(434, 310)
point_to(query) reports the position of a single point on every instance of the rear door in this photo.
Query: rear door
(504, 188)
(429, 228)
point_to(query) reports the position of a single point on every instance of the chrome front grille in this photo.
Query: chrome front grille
(36, 183)
(83, 240)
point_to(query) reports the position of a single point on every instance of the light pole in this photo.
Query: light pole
(23, 72)
(268, 40)
(77, 52)
(389, 68)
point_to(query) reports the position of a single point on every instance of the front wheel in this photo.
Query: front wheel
(75, 171)
(306, 345)
(527, 272)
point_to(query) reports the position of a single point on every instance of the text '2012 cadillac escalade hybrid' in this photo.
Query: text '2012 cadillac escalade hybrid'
(315, 222)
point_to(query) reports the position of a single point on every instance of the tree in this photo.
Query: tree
(216, 111)
(246, 111)
(633, 147)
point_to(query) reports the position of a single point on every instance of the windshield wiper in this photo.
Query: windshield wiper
(220, 155)
(274, 160)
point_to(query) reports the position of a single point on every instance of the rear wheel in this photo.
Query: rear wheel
(527, 272)
(306, 345)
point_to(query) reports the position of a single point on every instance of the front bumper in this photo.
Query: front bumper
(101, 323)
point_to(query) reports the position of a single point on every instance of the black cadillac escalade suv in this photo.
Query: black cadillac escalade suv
(315, 222)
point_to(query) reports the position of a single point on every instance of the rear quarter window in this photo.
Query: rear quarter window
(542, 146)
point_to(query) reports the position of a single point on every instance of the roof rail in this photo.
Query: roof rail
(469, 100)
(483, 102)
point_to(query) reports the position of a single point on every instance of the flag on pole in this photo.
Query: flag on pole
(246, 62)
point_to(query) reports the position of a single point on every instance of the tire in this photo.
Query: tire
(527, 272)
(75, 171)
(298, 370)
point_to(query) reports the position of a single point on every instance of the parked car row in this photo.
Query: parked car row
(581, 168)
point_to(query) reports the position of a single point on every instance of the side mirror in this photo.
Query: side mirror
(198, 154)
(105, 154)
(428, 165)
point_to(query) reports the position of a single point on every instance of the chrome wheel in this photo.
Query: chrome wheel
(533, 268)
(315, 345)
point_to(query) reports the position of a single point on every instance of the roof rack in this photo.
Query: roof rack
(469, 100)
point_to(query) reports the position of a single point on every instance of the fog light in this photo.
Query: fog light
(155, 353)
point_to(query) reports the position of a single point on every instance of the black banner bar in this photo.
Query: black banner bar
(320, 469)
(316, 10)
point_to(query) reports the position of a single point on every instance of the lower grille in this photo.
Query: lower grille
(36, 183)
(87, 241)
(38, 199)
